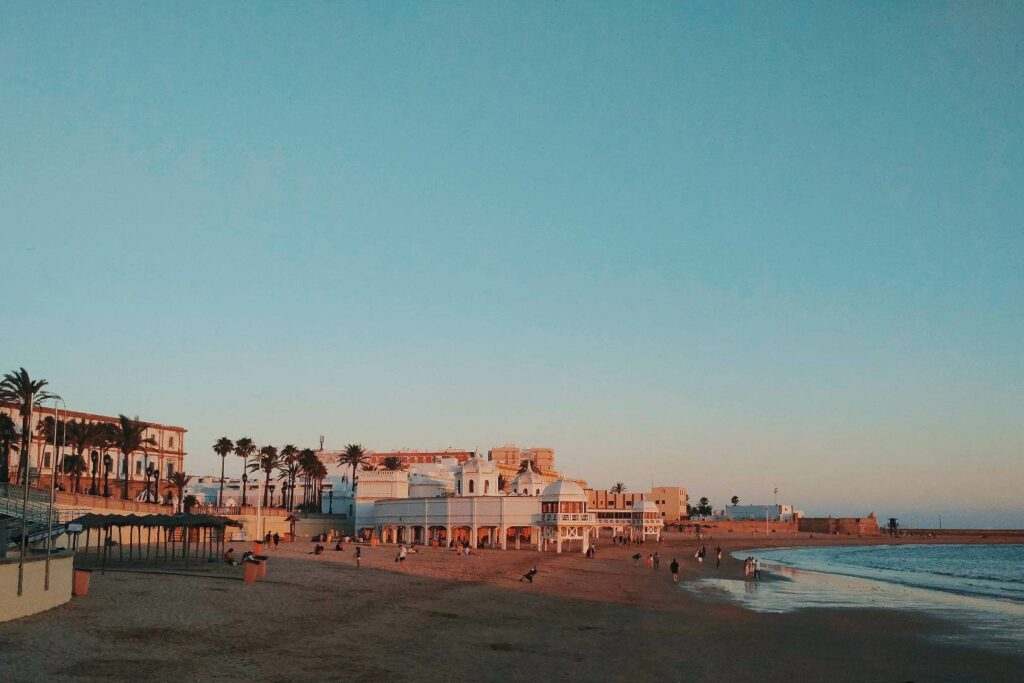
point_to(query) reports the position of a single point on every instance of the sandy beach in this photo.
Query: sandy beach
(449, 617)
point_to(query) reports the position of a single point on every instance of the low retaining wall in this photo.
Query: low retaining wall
(34, 598)
(841, 526)
(740, 527)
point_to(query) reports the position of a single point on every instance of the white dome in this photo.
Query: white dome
(563, 489)
(646, 506)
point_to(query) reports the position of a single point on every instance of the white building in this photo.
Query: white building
(645, 521)
(759, 513)
(478, 513)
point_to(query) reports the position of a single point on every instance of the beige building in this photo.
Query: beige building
(671, 501)
(167, 455)
(511, 455)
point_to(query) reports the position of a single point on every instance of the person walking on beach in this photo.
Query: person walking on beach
(700, 555)
(718, 557)
(400, 557)
(674, 568)
(757, 569)
(359, 556)
(277, 539)
(657, 561)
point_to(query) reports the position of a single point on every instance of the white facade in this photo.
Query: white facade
(491, 521)
(759, 513)
(529, 482)
(481, 515)
(645, 523)
(477, 477)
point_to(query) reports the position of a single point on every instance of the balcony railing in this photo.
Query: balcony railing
(567, 517)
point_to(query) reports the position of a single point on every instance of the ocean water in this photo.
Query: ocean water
(978, 589)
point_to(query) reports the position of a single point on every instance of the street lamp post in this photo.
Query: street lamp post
(271, 487)
(107, 463)
(330, 502)
(53, 481)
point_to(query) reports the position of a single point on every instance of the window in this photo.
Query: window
(170, 442)
(170, 469)
(46, 459)
(487, 486)
(459, 486)
(471, 486)
(138, 467)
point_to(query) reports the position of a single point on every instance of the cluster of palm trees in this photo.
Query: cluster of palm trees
(293, 467)
(126, 436)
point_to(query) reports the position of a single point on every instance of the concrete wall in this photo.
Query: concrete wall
(34, 599)
(741, 526)
(842, 526)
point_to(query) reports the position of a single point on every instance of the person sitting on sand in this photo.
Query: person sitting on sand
(674, 568)
(249, 556)
(229, 557)
(528, 576)
(317, 550)
(338, 546)
(636, 558)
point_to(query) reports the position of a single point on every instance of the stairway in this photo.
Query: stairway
(12, 505)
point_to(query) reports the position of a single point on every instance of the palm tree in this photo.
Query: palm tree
(26, 394)
(393, 463)
(8, 436)
(307, 465)
(289, 470)
(75, 466)
(735, 500)
(51, 431)
(267, 461)
(354, 456)
(244, 447)
(180, 480)
(223, 447)
(129, 435)
(82, 435)
(618, 487)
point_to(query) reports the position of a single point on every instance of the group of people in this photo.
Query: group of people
(653, 560)
(702, 553)
(460, 547)
(752, 568)
(247, 556)
(271, 540)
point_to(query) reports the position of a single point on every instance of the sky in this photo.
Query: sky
(732, 246)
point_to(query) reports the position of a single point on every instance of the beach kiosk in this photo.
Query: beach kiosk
(563, 517)
(645, 522)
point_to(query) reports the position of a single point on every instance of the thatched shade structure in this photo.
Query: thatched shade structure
(202, 529)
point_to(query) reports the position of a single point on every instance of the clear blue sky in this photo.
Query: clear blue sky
(730, 245)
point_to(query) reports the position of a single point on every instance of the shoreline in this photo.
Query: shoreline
(448, 617)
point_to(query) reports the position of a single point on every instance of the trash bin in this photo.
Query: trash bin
(252, 571)
(263, 565)
(80, 584)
